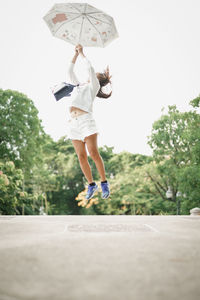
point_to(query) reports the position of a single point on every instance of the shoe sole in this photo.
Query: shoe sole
(106, 197)
(93, 193)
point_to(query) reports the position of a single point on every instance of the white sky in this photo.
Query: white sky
(155, 62)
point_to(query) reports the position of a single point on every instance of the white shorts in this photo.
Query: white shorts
(81, 127)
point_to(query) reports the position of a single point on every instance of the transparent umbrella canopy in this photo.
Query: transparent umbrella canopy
(81, 23)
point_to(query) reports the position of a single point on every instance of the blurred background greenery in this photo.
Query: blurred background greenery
(41, 176)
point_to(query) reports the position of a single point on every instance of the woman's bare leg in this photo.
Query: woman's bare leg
(91, 142)
(82, 156)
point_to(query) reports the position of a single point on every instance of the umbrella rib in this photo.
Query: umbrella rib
(75, 7)
(94, 12)
(65, 23)
(96, 29)
(81, 29)
(82, 24)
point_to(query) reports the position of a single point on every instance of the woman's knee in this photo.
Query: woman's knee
(94, 154)
(82, 156)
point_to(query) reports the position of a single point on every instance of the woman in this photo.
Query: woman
(82, 129)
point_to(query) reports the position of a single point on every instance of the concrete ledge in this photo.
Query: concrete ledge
(99, 257)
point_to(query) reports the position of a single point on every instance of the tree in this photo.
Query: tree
(64, 178)
(21, 133)
(123, 161)
(124, 198)
(175, 141)
(14, 200)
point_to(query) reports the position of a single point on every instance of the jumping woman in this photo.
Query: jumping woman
(82, 128)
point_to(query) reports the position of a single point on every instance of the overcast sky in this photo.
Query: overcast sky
(155, 62)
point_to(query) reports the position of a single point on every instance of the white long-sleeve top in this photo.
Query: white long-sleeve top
(83, 95)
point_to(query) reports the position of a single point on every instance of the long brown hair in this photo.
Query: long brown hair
(104, 79)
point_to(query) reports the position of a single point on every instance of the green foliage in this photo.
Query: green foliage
(13, 199)
(175, 141)
(189, 183)
(10, 187)
(125, 161)
(125, 198)
(21, 132)
(195, 102)
(139, 184)
(63, 168)
(36, 171)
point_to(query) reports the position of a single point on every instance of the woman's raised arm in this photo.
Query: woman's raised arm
(91, 72)
(72, 76)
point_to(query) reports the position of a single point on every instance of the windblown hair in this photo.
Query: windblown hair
(104, 79)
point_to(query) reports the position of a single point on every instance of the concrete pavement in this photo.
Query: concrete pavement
(99, 257)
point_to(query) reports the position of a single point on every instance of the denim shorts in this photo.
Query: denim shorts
(81, 126)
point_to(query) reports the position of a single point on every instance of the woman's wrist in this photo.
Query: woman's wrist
(74, 58)
(82, 54)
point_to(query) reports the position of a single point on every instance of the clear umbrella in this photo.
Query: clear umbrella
(81, 23)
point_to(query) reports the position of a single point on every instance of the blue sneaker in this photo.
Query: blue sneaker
(91, 190)
(105, 190)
